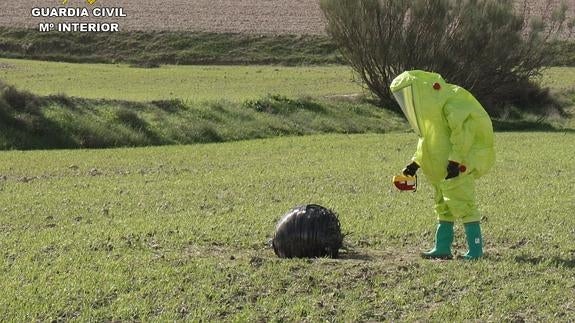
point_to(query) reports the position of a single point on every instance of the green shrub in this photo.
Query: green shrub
(486, 46)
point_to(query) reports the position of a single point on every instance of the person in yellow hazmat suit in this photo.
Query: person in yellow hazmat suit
(455, 148)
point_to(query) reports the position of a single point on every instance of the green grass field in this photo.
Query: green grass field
(559, 78)
(181, 232)
(199, 83)
(194, 83)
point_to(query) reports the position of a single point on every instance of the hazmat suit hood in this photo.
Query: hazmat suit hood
(450, 122)
(420, 97)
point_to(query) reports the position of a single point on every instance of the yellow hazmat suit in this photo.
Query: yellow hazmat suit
(452, 126)
(454, 131)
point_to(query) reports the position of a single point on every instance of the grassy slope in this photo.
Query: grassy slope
(196, 83)
(152, 47)
(188, 48)
(180, 232)
(31, 122)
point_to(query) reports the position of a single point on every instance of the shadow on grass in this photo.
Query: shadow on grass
(279, 104)
(554, 261)
(172, 106)
(530, 126)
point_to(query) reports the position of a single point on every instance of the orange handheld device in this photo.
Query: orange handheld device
(405, 183)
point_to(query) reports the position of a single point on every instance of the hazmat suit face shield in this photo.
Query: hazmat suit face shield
(405, 99)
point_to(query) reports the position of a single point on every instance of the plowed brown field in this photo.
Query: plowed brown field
(238, 16)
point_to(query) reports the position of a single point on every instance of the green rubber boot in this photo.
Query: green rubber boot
(474, 241)
(443, 241)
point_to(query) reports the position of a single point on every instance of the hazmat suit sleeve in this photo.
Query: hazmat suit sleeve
(417, 156)
(462, 131)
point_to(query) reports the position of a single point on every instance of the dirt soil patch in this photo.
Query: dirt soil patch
(221, 16)
(237, 16)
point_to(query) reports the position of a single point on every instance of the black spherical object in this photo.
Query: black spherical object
(308, 231)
